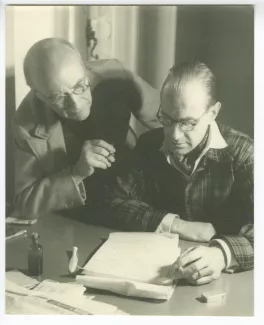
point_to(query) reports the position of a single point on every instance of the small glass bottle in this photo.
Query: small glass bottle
(35, 256)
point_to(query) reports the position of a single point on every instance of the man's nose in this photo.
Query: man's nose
(177, 132)
(72, 101)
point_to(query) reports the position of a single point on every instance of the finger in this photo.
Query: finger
(98, 164)
(174, 270)
(190, 257)
(103, 144)
(184, 253)
(204, 280)
(202, 272)
(111, 158)
(187, 251)
(101, 158)
(100, 151)
(193, 268)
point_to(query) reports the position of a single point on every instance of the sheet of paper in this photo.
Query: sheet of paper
(91, 306)
(140, 257)
(20, 300)
(30, 305)
(51, 287)
(12, 287)
(21, 279)
(128, 288)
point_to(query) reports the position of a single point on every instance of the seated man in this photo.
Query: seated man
(72, 127)
(193, 177)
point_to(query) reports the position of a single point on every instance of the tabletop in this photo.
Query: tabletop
(58, 235)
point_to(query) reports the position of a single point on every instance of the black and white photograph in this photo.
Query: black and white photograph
(129, 160)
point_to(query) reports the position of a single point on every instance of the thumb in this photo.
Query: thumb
(91, 170)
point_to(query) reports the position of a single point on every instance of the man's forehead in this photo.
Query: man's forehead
(60, 74)
(190, 96)
(69, 71)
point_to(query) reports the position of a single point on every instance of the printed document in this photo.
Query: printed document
(51, 299)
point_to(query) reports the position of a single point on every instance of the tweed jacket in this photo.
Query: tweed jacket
(220, 191)
(43, 180)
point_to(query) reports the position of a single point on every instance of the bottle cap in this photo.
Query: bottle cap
(35, 236)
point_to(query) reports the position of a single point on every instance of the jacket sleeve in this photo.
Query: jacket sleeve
(126, 207)
(126, 204)
(35, 192)
(242, 244)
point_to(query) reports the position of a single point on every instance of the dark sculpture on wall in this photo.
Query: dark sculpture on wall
(91, 40)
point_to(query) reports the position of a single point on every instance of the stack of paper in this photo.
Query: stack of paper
(133, 264)
(20, 279)
(50, 297)
(50, 287)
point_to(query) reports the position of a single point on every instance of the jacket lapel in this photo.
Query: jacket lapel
(47, 139)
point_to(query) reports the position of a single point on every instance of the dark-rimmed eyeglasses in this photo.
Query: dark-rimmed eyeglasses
(185, 126)
(79, 89)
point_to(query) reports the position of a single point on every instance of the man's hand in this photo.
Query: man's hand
(193, 230)
(200, 265)
(94, 154)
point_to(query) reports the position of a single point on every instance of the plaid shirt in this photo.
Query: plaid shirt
(220, 191)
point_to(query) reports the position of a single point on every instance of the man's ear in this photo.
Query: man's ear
(215, 110)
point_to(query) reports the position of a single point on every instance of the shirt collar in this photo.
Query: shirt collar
(216, 140)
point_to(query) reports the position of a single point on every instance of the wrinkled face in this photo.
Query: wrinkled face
(189, 108)
(66, 88)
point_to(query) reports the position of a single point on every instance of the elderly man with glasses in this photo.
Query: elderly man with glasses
(193, 177)
(73, 126)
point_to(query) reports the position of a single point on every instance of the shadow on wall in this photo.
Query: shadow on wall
(191, 30)
(156, 42)
(148, 26)
(223, 38)
(10, 110)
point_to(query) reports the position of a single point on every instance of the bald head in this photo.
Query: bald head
(54, 70)
(45, 60)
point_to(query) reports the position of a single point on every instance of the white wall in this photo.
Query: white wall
(9, 39)
(29, 24)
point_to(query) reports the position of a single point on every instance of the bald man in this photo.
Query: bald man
(71, 130)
